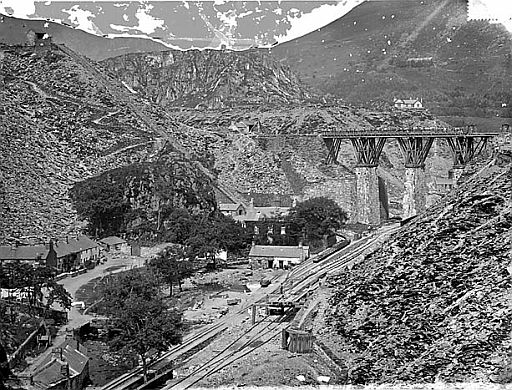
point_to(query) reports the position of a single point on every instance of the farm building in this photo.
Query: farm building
(268, 256)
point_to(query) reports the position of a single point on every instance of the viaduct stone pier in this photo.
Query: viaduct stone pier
(415, 144)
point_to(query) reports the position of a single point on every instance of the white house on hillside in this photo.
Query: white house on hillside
(408, 103)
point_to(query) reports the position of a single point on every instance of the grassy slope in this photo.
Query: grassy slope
(471, 59)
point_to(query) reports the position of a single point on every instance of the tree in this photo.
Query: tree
(141, 318)
(33, 280)
(172, 266)
(214, 233)
(314, 218)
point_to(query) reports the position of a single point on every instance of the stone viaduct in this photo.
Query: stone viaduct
(415, 144)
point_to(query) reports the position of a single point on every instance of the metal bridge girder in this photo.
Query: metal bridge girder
(368, 150)
(415, 150)
(465, 148)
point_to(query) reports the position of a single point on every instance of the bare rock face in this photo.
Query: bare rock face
(433, 303)
(208, 78)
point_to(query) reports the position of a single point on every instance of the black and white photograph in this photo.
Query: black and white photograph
(258, 195)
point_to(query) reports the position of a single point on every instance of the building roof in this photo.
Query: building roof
(112, 240)
(50, 371)
(442, 180)
(407, 101)
(73, 245)
(229, 206)
(279, 251)
(28, 252)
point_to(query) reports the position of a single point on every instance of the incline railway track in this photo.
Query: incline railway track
(298, 284)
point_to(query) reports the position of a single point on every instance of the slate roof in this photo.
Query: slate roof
(112, 240)
(73, 245)
(29, 252)
(50, 372)
(279, 251)
(407, 101)
(229, 206)
(442, 180)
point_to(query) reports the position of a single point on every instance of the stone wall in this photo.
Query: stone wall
(341, 190)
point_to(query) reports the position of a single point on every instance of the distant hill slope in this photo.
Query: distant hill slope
(416, 48)
(208, 78)
(62, 120)
(433, 304)
(13, 32)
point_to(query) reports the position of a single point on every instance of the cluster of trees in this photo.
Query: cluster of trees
(35, 283)
(309, 222)
(143, 324)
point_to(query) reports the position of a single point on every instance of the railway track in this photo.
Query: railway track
(299, 283)
(306, 277)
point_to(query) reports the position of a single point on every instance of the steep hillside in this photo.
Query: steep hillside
(417, 48)
(434, 302)
(208, 78)
(61, 121)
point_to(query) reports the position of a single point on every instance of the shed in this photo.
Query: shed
(114, 244)
(274, 256)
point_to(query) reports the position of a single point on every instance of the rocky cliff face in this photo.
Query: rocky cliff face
(139, 199)
(62, 120)
(208, 78)
(434, 302)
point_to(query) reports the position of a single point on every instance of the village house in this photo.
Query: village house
(66, 255)
(114, 244)
(66, 368)
(232, 209)
(267, 256)
(443, 185)
(31, 254)
(249, 215)
(246, 126)
(73, 253)
(408, 103)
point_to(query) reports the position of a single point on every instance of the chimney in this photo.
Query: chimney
(67, 240)
(57, 353)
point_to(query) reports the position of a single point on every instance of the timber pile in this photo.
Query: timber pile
(434, 304)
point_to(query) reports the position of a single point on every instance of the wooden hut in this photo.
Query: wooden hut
(297, 341)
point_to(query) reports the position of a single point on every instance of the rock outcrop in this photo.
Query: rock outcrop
(208, 78)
